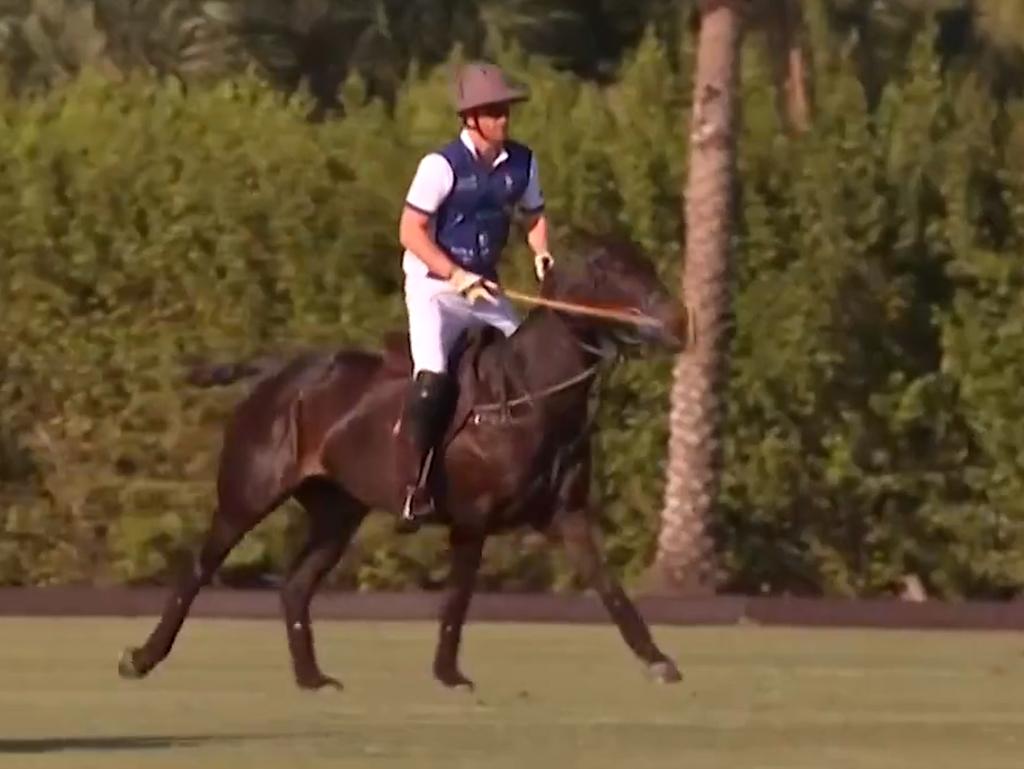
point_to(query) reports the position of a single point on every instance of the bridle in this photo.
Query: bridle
(602, 354)
(504, 407)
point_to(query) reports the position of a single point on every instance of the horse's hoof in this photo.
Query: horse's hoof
(315, 683)
(128, 666)
(664, 672)
(453, 679)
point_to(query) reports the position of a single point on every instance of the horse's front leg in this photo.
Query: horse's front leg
(466, 550)
(577, 535)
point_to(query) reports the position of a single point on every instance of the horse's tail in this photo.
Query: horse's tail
(221, 374)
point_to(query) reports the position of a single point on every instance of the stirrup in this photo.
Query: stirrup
(427, 507)
(409, 521)
(407, 513)
(420, 485)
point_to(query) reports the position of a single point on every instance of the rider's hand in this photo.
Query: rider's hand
(473, 286)
(542, 262)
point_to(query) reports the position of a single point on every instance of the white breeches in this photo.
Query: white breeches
(438, 315)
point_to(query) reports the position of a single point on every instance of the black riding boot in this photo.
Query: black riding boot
(424, 420)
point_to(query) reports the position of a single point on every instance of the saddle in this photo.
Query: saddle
(480, 364)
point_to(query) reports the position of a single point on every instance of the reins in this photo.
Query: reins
(583, 376)
(602, 354)
(633, 317)
(623, 316)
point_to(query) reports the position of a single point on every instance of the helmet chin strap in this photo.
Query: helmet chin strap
(472, 122)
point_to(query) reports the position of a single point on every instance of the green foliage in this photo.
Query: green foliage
(857, 450)
(875, 415)
(311, 46)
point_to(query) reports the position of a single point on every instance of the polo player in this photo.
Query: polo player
(454, 227)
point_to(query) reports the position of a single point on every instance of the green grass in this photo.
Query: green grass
(547, 696)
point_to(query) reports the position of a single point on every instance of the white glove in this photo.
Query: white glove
(542, 262)
(473, 286)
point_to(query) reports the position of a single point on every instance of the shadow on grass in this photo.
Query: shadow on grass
(135, 742)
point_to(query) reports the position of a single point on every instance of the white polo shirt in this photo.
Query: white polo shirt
(433, 183)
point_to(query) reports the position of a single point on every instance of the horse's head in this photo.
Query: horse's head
(613, 274)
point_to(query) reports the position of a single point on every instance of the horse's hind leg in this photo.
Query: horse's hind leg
(230, 522)
(334, 517)
(467, 550)
(578, 537)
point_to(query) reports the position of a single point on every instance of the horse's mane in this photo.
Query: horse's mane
(587, 255)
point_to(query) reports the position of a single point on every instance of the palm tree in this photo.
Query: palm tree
(684, 558)
(185, 38)
(982, 36)
(997, 28)
(47, 41)
(782, 22)
(1001, 22)
(319, 43)
(43, 42)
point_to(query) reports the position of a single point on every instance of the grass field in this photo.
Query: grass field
(547, 696)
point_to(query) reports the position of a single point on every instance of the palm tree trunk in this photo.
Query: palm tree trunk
(685, 559)
(782, 21)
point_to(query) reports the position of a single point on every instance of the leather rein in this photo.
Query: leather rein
(633, 317)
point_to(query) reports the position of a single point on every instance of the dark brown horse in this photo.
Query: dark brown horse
(321, 428)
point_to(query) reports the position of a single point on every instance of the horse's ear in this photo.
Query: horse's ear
(570, 258)
(583, 238)
(571, 272)
(600, 245)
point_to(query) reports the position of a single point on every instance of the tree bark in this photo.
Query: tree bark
(782, 22)
(685, 555)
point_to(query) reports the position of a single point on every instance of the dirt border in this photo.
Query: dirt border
(517, 607)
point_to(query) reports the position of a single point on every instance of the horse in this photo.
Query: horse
(322, 428)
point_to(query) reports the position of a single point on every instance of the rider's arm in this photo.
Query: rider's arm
(430, 186)
(532, 206)
(414, 233)
(537, 233)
